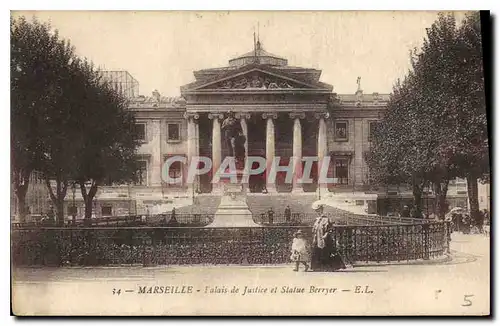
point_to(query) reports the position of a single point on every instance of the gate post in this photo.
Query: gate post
(425, 229)
(147, 251)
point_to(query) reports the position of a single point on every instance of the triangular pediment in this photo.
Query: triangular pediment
(255, 79)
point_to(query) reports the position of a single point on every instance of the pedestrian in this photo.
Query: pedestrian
(173, 218)
(264, 189)
(288, 213)
(466, 223)
(405, 212)
(320, 250)
(300, 254)
(270, 215)
(326, 253)
(414, 213)
(262, 218)
(486, 216)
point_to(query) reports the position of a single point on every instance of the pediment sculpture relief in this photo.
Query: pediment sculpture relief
(256, 81)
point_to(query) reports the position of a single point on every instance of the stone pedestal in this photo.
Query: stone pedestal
(233, 208)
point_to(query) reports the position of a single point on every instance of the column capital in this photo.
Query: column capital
(322, 115)
(218, 116)
(243, 115)
(297, 115)
(191, 115)
(272, 115)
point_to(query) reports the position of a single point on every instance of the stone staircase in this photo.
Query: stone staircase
(260, 204)
(204, 204)
(299, 204)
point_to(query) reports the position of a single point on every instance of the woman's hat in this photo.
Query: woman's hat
(317, 206)
(299, 232)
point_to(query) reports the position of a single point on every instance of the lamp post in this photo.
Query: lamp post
(427, 200)
(74, 205)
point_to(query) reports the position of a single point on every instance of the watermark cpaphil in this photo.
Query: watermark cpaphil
(297, 169)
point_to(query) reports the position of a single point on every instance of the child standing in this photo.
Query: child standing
(299, 251)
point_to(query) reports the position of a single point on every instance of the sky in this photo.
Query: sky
(161, 49)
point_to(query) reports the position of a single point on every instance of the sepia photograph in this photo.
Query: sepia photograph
(250, 163)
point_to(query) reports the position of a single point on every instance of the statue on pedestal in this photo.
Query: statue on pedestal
(234, 137)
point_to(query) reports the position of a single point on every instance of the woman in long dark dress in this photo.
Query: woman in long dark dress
(324, 256)
(320, 251)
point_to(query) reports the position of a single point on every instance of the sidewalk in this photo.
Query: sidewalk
(436, 288)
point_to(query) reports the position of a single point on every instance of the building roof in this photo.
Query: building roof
(258, 55)
(364, 97)
(308, 76)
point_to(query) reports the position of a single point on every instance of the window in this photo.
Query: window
(107, 181)
(372, 127)
(72, 210)
(173, 132)
(142, 173)
(360, 202)
(140, 129)
(341, 131)
(106, 210)
(342, 170)
(174, 171)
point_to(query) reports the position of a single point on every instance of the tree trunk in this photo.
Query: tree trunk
(472, 190)
(88, 209)
(21, 180)
(440, 192)
(417, 198)
(58, 197)
(88, 198)
(21, 202)
(60, 211)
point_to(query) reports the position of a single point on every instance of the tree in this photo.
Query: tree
(436, 68)
(38, 58)
(472, 154)
(108, 144)
(402, 150)
(435, 128)
(67, 123)
(451, 63)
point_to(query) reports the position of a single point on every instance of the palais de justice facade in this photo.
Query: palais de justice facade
(284, 111)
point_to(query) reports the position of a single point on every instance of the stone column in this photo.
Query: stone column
(155, 162)
(216, 145)
(322, 148)
(360, 137)
(192, 145)
(297, 149)
(197, 151)
(270, 146)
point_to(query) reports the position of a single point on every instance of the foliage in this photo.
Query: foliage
(108, 144)
(39, 60)
(67, 122)
(435, 128)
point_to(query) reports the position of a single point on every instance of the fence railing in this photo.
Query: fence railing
(190, 220)
(90, 246)
(128, 220)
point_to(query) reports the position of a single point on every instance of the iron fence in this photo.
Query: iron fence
(198, 219)
(92, 246)
(188, 220)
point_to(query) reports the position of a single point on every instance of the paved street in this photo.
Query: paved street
(457, 285)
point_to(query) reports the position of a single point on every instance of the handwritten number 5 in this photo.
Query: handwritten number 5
(467, 302)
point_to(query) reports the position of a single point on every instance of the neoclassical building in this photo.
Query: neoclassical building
(283, 110)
